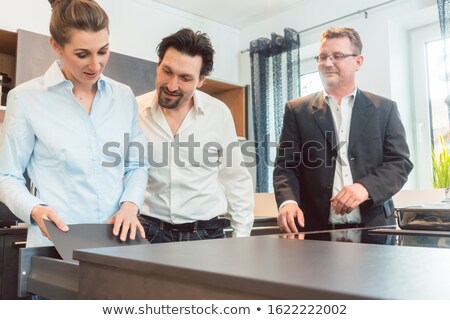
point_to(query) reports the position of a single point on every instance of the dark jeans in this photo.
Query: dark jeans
(157, 231)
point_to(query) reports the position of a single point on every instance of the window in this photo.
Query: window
(310, 83)
(438, 66)
(430, 92)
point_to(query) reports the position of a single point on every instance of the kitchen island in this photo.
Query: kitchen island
(266, 267)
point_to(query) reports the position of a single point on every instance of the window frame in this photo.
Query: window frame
(421, 102)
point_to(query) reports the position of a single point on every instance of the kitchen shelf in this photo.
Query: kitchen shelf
(2, 113)
(8, 52)
(234, 96)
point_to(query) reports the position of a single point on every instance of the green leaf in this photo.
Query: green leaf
(441, 166)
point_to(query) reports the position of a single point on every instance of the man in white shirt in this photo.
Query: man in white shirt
(198, 184)
(342, 152)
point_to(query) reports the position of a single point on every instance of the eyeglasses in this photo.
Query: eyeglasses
(334, 56)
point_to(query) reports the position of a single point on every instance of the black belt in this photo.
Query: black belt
(333, 226)
(212, 224)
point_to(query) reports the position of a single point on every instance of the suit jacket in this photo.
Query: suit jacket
(306, 157)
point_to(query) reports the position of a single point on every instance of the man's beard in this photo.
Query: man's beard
(168, 103)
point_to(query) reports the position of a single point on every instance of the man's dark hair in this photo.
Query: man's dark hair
(191, 43)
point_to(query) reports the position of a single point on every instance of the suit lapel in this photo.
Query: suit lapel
(322, 115)
(362, 112)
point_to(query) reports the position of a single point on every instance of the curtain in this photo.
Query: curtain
(444, 16)
(275, 68)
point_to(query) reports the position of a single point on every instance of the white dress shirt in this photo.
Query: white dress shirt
(342, 116)
(198, 173)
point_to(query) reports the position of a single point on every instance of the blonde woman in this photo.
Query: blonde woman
(57, 126)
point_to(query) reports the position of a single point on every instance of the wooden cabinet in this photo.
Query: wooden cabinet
(8, 52)
(2, 114)
(11, 240)
(25, 55)
(235, 97)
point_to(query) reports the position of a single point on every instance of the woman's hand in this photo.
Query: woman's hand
(41, 213)
(127, 220)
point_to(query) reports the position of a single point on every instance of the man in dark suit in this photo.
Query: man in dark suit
(342, 152)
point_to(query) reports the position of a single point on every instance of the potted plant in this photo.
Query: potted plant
(441, 168)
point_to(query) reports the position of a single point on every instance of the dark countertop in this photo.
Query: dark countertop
(264, 267)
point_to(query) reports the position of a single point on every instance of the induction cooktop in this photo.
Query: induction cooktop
(389, 235)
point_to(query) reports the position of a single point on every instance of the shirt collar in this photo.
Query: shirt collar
(199, 108)
(326, 96)
(54, 76)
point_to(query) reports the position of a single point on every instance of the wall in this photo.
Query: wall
(385, 45)
(136, 27)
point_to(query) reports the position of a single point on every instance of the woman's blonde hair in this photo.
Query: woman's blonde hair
(84, 15)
